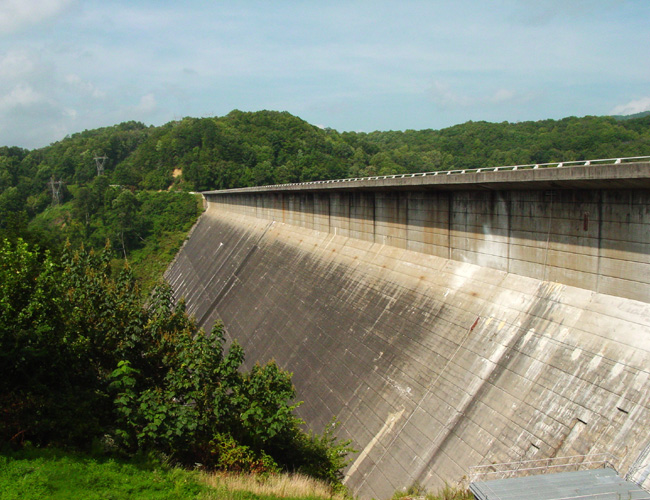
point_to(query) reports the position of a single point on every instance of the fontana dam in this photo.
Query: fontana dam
(447, 320)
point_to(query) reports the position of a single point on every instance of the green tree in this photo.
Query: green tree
(81, 357)
(123, 220)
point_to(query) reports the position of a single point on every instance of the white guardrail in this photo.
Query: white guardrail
(481, 473)
(532, 166)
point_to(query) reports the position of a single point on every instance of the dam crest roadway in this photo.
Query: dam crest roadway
(448, 320)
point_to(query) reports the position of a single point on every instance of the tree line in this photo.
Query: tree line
(140, 197)
(256, 148)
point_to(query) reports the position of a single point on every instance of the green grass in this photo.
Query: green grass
(52, 216)
(269, 487)
(446, 493)
(52, 474)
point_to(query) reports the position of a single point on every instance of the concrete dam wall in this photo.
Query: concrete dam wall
(446, 323)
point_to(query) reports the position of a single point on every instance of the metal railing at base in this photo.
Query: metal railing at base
(506, 470)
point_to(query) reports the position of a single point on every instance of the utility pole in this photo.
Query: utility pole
(99, 162)
(55, 186)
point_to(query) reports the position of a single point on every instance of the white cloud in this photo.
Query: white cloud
(15, 14)
(443, 95)
(147, 105)
(87, 88)
(632, 107)
(502, 95)
(16, 64)
(20, 96)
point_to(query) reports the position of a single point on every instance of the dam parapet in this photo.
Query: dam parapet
(446, 323)
(578, 225)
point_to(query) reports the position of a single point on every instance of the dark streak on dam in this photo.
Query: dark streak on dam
(447, 322)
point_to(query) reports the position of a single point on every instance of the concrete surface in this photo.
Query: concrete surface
(596, 239)
(444, 329)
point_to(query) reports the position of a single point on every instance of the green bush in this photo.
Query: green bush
(82, 358)
(228, 454)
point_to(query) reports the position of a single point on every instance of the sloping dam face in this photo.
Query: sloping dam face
(445, 328)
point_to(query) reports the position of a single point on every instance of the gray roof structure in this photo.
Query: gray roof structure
(594, 484)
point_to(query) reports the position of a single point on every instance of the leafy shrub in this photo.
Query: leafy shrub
(229, 455)
(81, 358)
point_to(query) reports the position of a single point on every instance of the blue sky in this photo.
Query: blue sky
(70, 65)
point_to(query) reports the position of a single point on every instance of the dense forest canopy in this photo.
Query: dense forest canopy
(257, 148)
(254, 148)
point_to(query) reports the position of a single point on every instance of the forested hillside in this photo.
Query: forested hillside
(144, 166)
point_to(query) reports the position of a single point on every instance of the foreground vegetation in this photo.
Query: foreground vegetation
(34, 474)
(83, 360)
(446, 493)
(39, 474)
(272, 486)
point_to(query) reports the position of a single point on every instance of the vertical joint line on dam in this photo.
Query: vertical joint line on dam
(551, 194)
(509, 228)
(421, 401)
(600, 239)
(450, 211)
(374, 216)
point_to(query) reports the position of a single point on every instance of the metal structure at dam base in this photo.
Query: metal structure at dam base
(447, 320)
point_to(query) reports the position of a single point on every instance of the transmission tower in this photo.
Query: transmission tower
(55, 186)
(99, 162)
